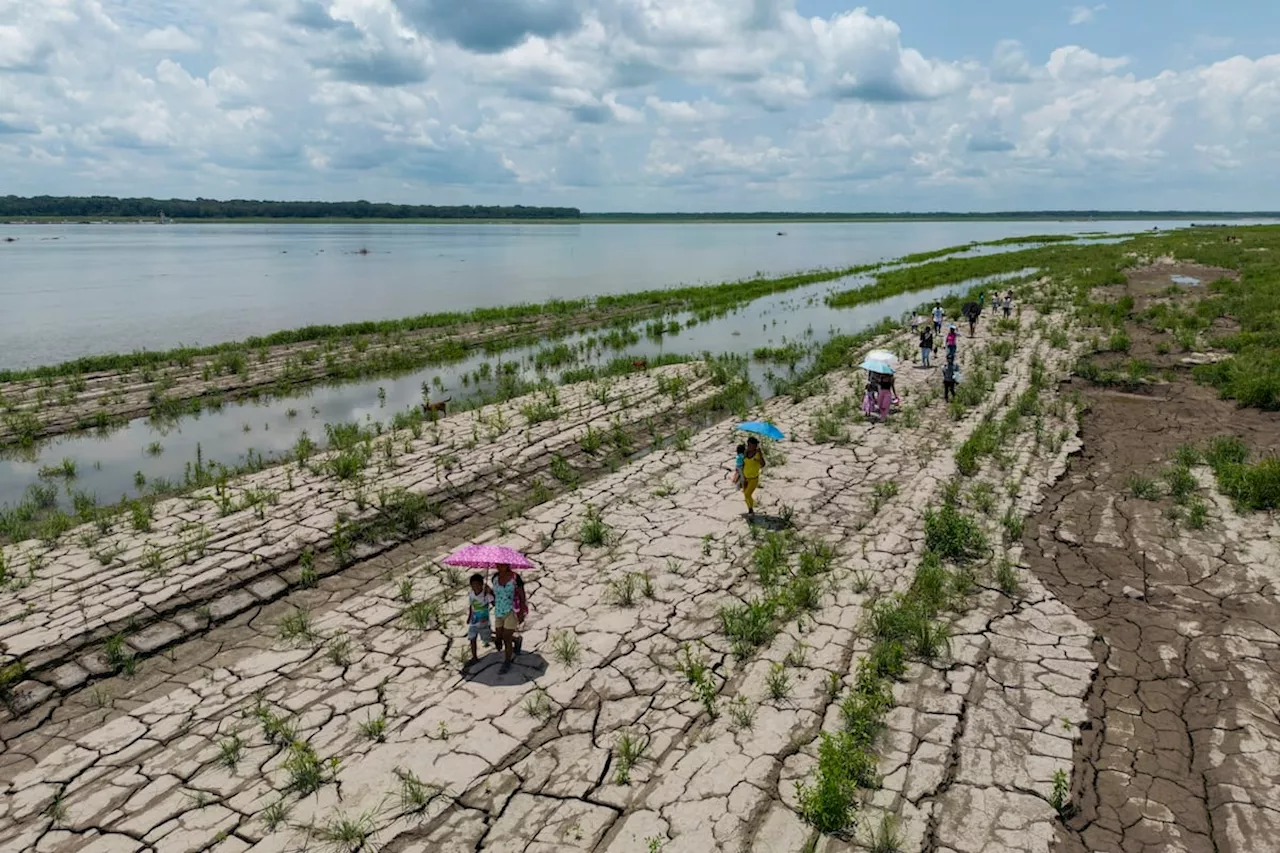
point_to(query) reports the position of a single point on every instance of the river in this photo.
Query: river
(76, 290)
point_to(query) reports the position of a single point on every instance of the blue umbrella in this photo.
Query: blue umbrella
(761, 428)
(878, 367)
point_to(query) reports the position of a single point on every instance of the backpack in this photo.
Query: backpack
(521, 599)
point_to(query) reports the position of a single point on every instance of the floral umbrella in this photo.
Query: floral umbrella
(488, 557)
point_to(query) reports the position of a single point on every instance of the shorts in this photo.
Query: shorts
(480, 631)
(509, 622)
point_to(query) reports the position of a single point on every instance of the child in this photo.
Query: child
(752, 465)
(479, 600)
(737, 465)
(951, 343)
(870, 398)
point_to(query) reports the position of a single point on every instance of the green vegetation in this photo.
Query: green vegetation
(902, 627)
(1253, 486)
(936, 273)
(108, 207)
(627, 753)
(789, 590)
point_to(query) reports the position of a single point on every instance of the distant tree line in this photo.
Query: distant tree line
(1002, 216)
(95, 207)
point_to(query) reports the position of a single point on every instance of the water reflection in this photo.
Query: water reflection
(125, 462)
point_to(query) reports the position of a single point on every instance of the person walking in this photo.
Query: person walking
(506, 621)
(885, 396)
(1008, 304)
(752, 465)
(952, 338)
(937, 318)
(926, 346)
(950, 376)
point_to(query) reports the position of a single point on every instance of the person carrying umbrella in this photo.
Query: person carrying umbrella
(505, 619)
(510, 602)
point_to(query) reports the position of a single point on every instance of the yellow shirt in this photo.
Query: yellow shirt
(751, 466)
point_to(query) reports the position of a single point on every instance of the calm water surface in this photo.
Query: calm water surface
(74, 290)
(108, 465)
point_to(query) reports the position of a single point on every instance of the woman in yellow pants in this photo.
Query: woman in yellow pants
(751, 467)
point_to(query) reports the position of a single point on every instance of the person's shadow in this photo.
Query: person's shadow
(768, 522)
(526, 668)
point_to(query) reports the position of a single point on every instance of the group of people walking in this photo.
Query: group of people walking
(930, 332)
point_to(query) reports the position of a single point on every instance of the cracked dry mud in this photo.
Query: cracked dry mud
(527, 761)
(1183, 752)
(217, 553)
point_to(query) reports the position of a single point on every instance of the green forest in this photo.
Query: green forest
(108, 207)
(84, 208)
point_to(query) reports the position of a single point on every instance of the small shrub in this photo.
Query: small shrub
(778, 682)
(229, 752)
(297, 626)
(886, 838)
(621, 592)
(1061, 787)
(275, 815)
(628, 752)
(952, 535)
(538, 704)
(339, 650)
(119, 657)
(423, 615)
(594, 532)
(375, 728)
(1012, 524)
(983, 498)
(1197, 514)
(1007, 578)
(305, 770)
(1143, 488)
(748, 626)
(1180, 482)
(742, 714)
(563, 471)
(566, 648)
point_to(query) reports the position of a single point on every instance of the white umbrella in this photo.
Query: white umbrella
(882, 355)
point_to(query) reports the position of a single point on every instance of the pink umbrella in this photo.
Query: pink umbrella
(488, 557)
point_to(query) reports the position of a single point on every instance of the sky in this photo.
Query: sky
(648, 105)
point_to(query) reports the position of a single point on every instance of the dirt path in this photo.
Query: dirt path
(531, 760)
(1183, 752)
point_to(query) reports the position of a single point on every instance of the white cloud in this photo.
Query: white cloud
(613, 104)
(1077, 63)
(1085, 14)
(1009, 62)
(169, 39)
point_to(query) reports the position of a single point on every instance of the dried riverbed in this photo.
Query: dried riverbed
(690, 680)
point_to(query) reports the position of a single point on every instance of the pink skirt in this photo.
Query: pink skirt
(886, 397)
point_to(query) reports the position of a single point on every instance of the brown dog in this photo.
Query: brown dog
(437, 408)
